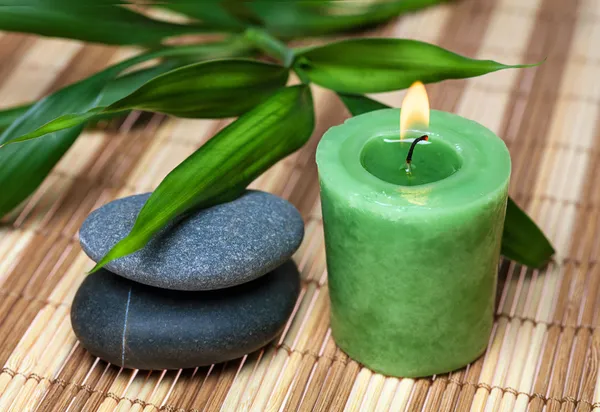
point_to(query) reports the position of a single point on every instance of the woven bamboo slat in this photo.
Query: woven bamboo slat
(545, 347)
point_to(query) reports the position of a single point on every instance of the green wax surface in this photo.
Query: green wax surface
(385, 158)
(412, 267)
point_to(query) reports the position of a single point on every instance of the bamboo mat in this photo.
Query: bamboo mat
(545, 347)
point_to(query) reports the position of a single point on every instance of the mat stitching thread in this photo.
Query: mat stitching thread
(132, 401)
(60, 382)
(87, 388)
(535, 322)
(515, 392)
(313, 354)
(113, 396)
(36, 377)
(142, 403)
(10, 372)
(171, 408)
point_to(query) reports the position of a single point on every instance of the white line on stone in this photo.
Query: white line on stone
(125, 327)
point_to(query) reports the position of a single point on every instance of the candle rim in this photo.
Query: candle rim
(341, 146)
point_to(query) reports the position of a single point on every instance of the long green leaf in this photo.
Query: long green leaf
(293, 18)
(381, 65)
(214, 89)
(126, 84)
(178, 56)
(25, 166)
(215, 14)
(358, 104)
(111, 92)
(103, 22)
(522, 240)
(221, 169)
(8, 116)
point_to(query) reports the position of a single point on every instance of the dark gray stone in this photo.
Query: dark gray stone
(222, 246)
(142, 327)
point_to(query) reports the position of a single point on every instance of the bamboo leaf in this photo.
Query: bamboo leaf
(212, 13)
(214, 89)
(222, 168)
(103, 22)
(358, 104)
(26, 165)
(293, 18)
(381, 65)
(522, 240)
(228, 15)
(115, 89)
(309, 18)
(126, 84)
(8, 116)
(241, 10)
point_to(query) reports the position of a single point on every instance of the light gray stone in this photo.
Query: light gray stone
(219, 247)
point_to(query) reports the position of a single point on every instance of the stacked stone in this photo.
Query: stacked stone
(211, 287)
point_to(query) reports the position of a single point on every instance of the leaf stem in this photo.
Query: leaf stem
(299, 72)
(302, 76)
(270, 45)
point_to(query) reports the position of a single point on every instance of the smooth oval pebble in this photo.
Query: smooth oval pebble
(142, 327)
(222, 246)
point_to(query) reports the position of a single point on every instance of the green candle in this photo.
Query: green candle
(412, 255)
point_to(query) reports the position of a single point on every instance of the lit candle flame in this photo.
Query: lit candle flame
(415, 109)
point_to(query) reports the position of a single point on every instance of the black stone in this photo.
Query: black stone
(222, 246)
(138, 326)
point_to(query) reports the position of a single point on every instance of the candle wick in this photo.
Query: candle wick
(411, 150)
